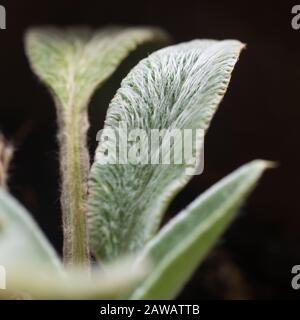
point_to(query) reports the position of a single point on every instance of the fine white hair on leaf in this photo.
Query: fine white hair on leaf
(178, 87)
(73, 63)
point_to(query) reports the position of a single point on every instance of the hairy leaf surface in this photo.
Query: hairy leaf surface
(183, 243)
(178, 87)
(73, 63)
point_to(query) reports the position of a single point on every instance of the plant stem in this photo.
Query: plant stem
(74, 162)
(6, 152)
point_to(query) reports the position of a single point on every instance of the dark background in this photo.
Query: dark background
(258, 118)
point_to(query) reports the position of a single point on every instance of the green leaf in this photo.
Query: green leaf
(183, 243)
(21, 241)
(178, 87)
(33, 269)
(73, 63)
(41, 283)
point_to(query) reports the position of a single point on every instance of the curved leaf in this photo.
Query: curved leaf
(177, 87)
(33, 270)
(42, 283)
(21, 241)
(183, 243)
(73, 63)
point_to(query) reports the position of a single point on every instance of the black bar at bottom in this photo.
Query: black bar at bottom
(90, 310)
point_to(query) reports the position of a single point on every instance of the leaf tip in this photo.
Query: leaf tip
(266, 164)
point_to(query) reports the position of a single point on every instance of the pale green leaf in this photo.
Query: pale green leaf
(73, 63)
(33, 269)
(21, 241)
(178, 87)
(42, 283)
(183, 243)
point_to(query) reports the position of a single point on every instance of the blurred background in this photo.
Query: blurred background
(259, 118)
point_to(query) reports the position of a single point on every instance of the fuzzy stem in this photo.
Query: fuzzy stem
(6, 152)
(74, 162)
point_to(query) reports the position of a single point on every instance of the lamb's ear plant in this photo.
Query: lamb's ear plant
(176, 87)
(118, 212)
(73, 63)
